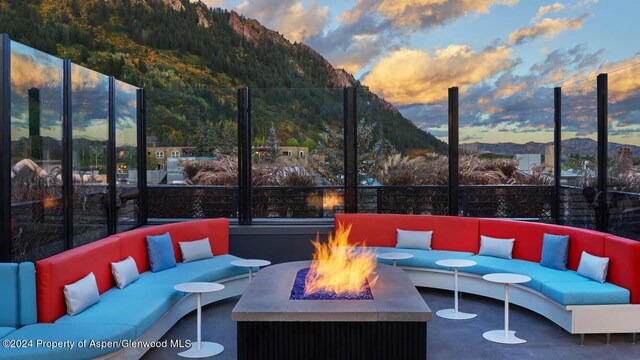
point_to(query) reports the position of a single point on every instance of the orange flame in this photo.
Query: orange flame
(331, 200)
(339, 266)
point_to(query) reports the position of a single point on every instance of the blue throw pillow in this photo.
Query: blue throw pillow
(555, 250)
(160, 250)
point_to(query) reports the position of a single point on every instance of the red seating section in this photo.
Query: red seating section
(449, 233)
(463, 234)
(55, 272)
(624, 259)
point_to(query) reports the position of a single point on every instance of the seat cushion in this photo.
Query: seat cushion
(66, 332)
(422, 258)
(538, 273)
(213, 269)
(4, 331)
(136, 305)
(586, 293)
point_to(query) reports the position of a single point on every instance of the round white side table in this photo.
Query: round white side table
(454, 314)
(250, 263)
(505, 336)
(394, 256)
(199, 348)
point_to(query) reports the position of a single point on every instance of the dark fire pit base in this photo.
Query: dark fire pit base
(332, 340)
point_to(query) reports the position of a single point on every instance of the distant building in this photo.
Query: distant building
(527, 161)
(299, 154)
(549, 158)
(162, 153)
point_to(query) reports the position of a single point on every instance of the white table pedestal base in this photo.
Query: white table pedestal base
(454, 315)
(498, 336)
(206, 349)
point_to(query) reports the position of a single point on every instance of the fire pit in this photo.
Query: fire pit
(272, 325)
(341, 305)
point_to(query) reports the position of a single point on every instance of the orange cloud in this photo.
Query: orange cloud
(543, 10)
(420, 13)
(289, 17)
(408, 76)
(547, 27)
(623, 79)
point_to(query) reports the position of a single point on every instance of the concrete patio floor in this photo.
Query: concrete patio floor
(446, 339)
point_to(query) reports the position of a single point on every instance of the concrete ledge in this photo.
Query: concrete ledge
(267, 299)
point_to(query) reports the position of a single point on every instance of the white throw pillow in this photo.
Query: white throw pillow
(408, 239)
(125, 272)
(593, 267)
(81, 294)
(501, 248)
(195, 250)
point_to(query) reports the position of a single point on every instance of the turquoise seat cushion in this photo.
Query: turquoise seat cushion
(136, 305)
(586, 293)
(421, 258)
(4, 331)
(212, 269)
(9, 316)
(73, 333)
(538, 273)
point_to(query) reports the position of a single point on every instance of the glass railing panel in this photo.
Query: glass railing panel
(127, 169)
(90, 132)
(298, 150)
(506, 152)
(37, 208)
(624, 152)
(402, 156)
(192, 153)
(579, 177)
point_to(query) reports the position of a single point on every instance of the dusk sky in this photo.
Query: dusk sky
(505, 55)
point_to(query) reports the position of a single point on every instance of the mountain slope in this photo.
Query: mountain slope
(164, 45)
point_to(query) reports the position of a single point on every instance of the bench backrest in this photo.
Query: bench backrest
(54, 272)
(463, 234)
(449, 232)
(17, 294)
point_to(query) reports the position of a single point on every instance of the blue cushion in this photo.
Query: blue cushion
(538, 273)
(65, 332)
(212, 269)
(555, 250)
(160, 250)
(593, 267)
(27, 293)
(422, 258)
(9, 295)
(501, 248)
(4, 331)
(585, 293)
(136, 305)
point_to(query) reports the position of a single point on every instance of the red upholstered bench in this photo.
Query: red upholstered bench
(462, 236)
(55, 272)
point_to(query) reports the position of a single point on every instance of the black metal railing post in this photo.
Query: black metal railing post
(602, 215)
(557, 152)
(143, 213)
(350, 150)
(453, 151)
(5, 149)
(112, 217)
(67, 156)
(244, 156)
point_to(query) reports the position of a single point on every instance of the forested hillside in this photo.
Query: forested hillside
(191, 59)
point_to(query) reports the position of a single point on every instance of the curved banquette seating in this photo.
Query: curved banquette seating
(576, 303)
(123, 319)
